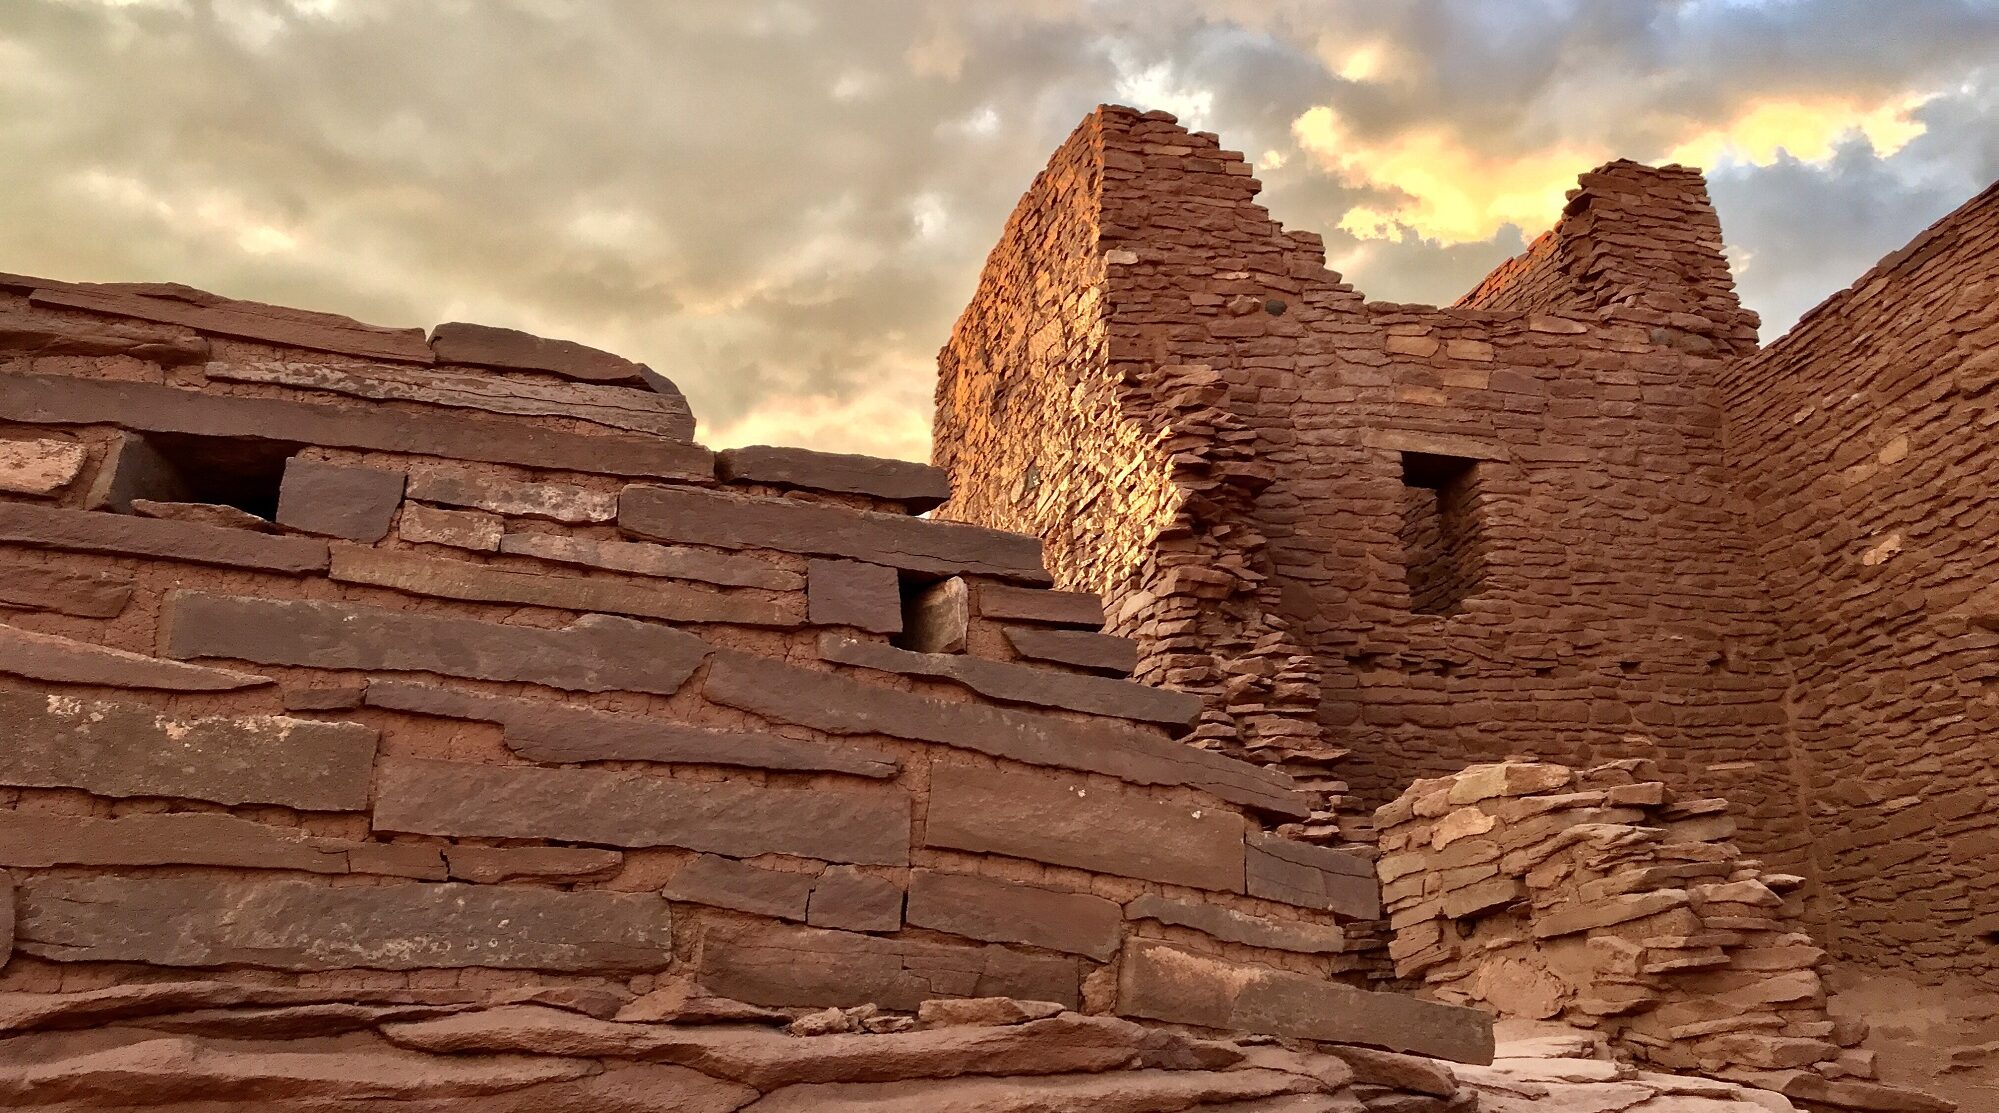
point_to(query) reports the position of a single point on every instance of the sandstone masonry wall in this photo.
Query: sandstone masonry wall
(1616, 610)
(1862, 440)
(370, 667)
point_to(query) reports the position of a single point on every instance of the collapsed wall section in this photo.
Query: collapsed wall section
(1862, 441)
(347, 661)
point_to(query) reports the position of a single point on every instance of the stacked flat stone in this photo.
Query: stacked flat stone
(344, 661)
(1599, 899)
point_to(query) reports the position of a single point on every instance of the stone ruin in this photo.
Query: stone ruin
(405, 720)
(1577, 525)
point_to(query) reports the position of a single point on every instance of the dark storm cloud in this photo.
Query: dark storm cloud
(784, 204)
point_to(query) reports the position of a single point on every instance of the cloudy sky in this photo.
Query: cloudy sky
(782, 204)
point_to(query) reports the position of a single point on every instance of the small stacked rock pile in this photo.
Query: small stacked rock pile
(1599, 899)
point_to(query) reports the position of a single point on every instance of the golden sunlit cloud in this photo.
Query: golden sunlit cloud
(1805, 129)
(1453, 193)
(871, 424)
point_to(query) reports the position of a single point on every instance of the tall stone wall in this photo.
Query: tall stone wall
(1862, 439)
(1613, 610)
(353, 666)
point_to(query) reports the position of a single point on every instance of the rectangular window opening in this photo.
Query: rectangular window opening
(244, 473)
(1443, 543)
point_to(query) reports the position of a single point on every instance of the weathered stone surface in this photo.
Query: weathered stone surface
(1084, 649)
(769, 1060)
(26, 1012)
(667, 561)
(450, 578)
(124, 535)
(851, 593)
(40, 467)
(43, 587)
(1049, 818)
(198, 309)
(172, 1070)
(1009, 912)
(60, 660)
(196, 839)
(323, 697)
(841, 705)
(23, 332)
(940, 619)
(1016, 683)
(308, 925)
(7, 905)
(595, 653)
(1124, 1091)
(918, 487)
(844, 897)
(1161, 982)
(802, 966)
(1311, 876)
(540, 730)
(1399, 1072)
(789, 525)
(204, 513)
(615, 407)
(868, 825)
(127, 749)
(153, 408)
(462, 529)
(1023, 604)
(133, 469)
(492, 346)
(493, 865)
(557, 502)
(339, 500)
(983, 1012)
(726, 883)
(1230, 926)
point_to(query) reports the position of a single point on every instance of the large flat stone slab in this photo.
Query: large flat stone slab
(596, 653)
(1085, 649)
(112, 748)
(541, 730)
(1026, 604)
(783, 965)
(998, 911)
(675, 562)
(863, 825)
(493, 346)
(88, 531)
(309, 925)
(43, 587)
(632, 410)
(26, 332)
(918, 487)
(789, 525)
(198, 309)
(1158, 981)
(153, 408)
(843, 705)
(189, 839)
(446, 578)
(1045, 817)
(1017, 683)
(59, 660)
(1312, 877)
(1231, 926)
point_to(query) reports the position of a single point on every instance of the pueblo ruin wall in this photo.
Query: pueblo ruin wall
(355, 679)
(1576, 517)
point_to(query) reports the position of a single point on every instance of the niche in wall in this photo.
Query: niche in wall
(240, 472)
(1443, 544)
